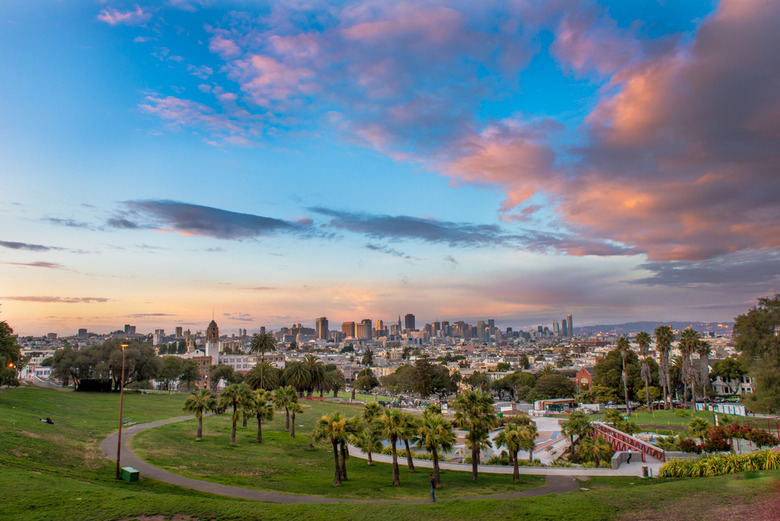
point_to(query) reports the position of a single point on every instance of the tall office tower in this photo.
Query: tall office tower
(399, 323)
(380, 325)
(409, 322)
(481, 330)
(83, 333)
(564, 328)
(262, 329)
(556, 329)
(436, 327)
(446, 330)
(368, 326)
(322, 328)
(570, 323)
(179, 331)
(129, 330)
(509, 332)
(491, 324)
(348, 328)
(540, 330)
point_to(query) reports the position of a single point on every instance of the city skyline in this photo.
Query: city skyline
(274, 162)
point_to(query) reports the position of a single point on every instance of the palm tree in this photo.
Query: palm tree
(316, 372)
(263, 409)
(332, 429)
(577, 425)
(262, 343)
(474, 413)
(235, 396)
(688, 343)
(511, 438)
(435, 434)
(283, 399)
(352, 428)
(528, 440)
(295, 408)
(623, 347)
(663, 343)
(408, 433)
(704, 349)
(368, 440)
(595, 449)
(371, 411)
(199, 402)
(643, 339)
(263, 376)
(297, 375)
(392, 424)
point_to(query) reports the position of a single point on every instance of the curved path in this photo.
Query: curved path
(556, 484)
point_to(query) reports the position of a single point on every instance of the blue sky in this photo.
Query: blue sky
(279, 161)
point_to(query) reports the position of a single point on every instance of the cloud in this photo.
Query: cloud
(147, 315)
(241, 317)
(68, 222)
(59, 300)
(204, 221)
(116, 17)
(38, 264)
(389, 251)
(26, 246)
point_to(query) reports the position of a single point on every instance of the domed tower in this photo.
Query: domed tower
(212, 342)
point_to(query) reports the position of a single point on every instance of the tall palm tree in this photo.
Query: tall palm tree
(435, 434)
(316, 372)
(528, 440)
(623, 346)
(511, 438)
(235, 396)
(475, 414)
(704, 349)
(371, 411)
(199, 402)
(263, 408)
(262, 343)
(663, 343)
(352, 428)
(688, 343)
(577, 425)
(392, 424)
(407, 434)
(333, 430)
(643, 339)
(283, 399)
(295, 408)
(368, 440)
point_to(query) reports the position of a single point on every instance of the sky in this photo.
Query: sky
(267, 163)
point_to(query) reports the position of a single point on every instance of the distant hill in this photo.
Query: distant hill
(721, 328)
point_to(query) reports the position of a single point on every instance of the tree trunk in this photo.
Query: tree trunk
(474, 461)
(259, 429)
(335, 393)
(515, 469)
(292, 426)
(370, 459)
(337, 476)
(233, 432)
(409, 460)
(343, 447)
(199, 434)
(287, 419)
(668, 383)
(245, 421)
(396, 477)
(353, 394)
(435, 466)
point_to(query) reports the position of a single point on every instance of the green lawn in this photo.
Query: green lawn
(57, 472)
(290, 466)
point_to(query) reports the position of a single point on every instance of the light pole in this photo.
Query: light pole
(121, 402)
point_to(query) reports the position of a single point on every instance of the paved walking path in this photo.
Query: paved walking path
(556, 484)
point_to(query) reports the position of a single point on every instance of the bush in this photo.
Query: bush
(720, 464)
(682, 413)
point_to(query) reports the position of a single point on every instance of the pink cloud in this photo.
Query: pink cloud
(267, 79)
(225, 47)
(116, 17)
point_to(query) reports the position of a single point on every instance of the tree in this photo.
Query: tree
(366, 383)
(511, 438)
(199, 402)
(368, 358)
(435, 434)
(297, 375)
(663, 344)
(524, 362)
(392, 422)
(335, 379)
(730, 370)
(219, 372)
(332, 429)
(369, 439)
(478, 380)
(623, 347)
(475, 414)
(644, 339)
(553, 386)
(698, 427)
(236, 396)
(170, 370)
(576, 425)
(756, 339)
(262, 343)
(528, 439)
(263, 376)
(262, 407)
(189, 372)
(316, 373)
(283, 400)
(10, 356)
(704, 350)
(295, 408)
(595, 449)
(407, 433)
(688, 343)
(423, 377)
(503, 366)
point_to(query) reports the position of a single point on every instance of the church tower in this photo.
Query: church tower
(212, 342)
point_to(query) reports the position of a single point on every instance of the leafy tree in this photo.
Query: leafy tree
(262, 343)
(365, 383)
(478, 380)
(609, 373)
(170, 370)
(332, 428)
(10, 355)
(528, 440)
(392, 422)
(219, 372)
(423, 377)
(553, 386)
(189, 372)
(474, 413)
(663, 344)
(335, 379)
(199, 402)
(368, 358)
(284, 398)
(435, 434)
(237, 396)
(524, 362)
(759, 345)
(503, 366)
(729, 369)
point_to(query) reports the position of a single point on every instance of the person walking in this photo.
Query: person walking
(433, 488)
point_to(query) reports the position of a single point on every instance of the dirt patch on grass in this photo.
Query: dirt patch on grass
(160, 517)
(30, 434)
(702, 508)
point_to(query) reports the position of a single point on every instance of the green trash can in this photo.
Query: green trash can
(129, 474)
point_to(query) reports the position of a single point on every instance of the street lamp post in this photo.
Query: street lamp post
(121, 402)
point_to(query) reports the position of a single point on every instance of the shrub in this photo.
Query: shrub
(720, 464)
